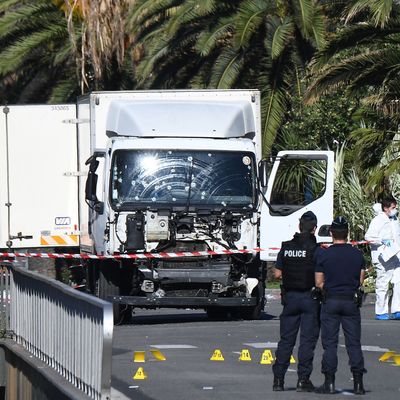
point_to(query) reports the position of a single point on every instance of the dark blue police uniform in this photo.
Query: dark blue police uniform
(341, 265)
(301, 310)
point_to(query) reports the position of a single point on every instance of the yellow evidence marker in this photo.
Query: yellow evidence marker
(158, 355)
(387, 356)
(396, 359)
(140, 374)
(267, 357)
(245, 355)
(139, 356)
(217, 356)
(292, 360)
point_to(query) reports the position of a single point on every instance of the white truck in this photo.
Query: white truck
(175, 177)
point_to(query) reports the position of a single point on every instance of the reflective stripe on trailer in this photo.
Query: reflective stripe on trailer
(59, 240)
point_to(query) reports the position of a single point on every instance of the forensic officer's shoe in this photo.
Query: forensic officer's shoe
(396, 315)
(383, 317)
(304, 385)
(358, 383)
(328, 387)
(278, 385)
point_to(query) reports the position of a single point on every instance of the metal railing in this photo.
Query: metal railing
(4, 300)
(68, 330)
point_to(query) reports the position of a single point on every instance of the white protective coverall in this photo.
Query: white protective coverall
(384, 232)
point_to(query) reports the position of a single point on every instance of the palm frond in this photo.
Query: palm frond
(208, 39)
(144, 10)
(304, 16)
(279, 34)
(226, 69)
(380, 10)
(248, 19)
(274, 104)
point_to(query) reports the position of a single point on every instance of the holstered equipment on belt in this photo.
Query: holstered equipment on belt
(359, 296)
(283, 296)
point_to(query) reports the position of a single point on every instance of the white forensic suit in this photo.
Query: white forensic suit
(384, 233)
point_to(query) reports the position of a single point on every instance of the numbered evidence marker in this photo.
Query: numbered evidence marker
(292, 360)
(267, 357)
(140, 374)
(217, 356)
(245, 355)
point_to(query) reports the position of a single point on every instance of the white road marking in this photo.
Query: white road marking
(376, 349)
(263, 345)
(173, 346)
(208, 387)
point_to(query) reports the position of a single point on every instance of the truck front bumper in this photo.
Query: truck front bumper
(187, 302)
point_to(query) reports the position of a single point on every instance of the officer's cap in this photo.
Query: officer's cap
(340, 223)
(309, 216)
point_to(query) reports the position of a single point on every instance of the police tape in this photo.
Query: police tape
(161, 255)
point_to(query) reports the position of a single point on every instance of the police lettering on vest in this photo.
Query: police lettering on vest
(295, 253)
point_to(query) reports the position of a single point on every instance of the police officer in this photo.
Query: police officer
(339, 273)
(295, 265)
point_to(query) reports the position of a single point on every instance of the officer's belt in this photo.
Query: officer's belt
(298, 290)
(340, 295)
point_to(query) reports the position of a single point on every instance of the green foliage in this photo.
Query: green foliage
(35, 53)
(322, 125)
(363, 58)
(260, 44)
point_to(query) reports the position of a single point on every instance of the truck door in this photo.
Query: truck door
(299, 181)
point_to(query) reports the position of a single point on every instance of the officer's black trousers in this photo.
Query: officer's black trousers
(336, 312)
(300, 311)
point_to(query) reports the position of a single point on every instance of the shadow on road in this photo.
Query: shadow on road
(154, 317)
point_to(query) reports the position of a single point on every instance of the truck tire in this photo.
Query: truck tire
(106, 286)
(255, 312)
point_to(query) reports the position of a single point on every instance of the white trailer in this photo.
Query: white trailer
(38, 189)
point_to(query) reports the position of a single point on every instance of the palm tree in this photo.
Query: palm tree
(100, 49)
(35, 53)
(364, 57)
(54, 50)
(262, 44)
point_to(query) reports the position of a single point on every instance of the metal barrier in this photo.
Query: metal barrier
(68, 330)
(4, 300)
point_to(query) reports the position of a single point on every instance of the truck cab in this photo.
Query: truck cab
(176, 203)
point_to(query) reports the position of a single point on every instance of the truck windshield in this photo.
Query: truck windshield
(174, 178)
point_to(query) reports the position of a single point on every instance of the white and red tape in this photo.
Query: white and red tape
(135, 256)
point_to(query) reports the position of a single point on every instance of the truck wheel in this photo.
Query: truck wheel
(92, 276)
(255, 312)
(108, 275)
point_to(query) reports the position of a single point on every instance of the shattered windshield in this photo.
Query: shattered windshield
(183, 178)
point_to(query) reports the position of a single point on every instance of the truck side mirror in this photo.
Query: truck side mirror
(91, 185)
(264, 167)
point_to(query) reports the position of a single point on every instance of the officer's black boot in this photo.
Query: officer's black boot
(304, 385)
(328, 387)
(358, 383)
(278, 384)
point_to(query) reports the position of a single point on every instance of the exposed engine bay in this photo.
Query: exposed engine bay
(182, 274)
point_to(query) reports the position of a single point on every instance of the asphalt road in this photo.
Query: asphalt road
(188, 339)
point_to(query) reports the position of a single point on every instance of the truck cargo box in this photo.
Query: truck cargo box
(38, 184)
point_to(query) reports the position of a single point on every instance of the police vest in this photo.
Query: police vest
(298, 267)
